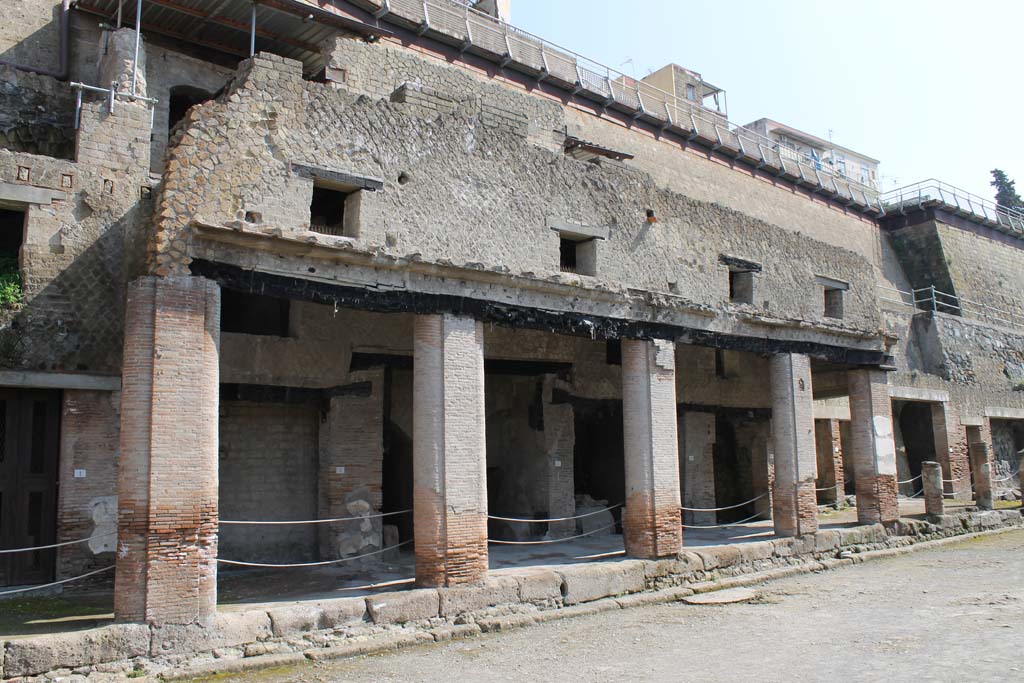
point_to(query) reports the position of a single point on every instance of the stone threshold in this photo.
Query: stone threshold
(290, 634)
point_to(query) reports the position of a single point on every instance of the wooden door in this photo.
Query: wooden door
(29, 448)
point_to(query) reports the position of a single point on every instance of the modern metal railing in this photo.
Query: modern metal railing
(511, 46)
(930, 192)
(936, 301)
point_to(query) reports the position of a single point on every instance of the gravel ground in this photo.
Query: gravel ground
(948, 614)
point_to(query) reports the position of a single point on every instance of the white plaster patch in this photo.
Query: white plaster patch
(885, 445)
(103, 512)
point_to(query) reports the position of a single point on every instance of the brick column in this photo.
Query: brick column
(981, 468)
(931, 484)
(168, 471)
(449, 451)
(951, 449)
(351, 468)
(874, 447)
(559, 444)
(794, 503)
(650, 521)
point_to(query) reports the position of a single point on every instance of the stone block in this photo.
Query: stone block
(403, 606)
(456, 632)
(825, 541)
(690, 562)
(39, 654)
(506, 623)
(229, 629)
(291, 619)
(586, 582)
(539, 586)
(342, 611)
(719, 557)
(497, 590)
(752, 552)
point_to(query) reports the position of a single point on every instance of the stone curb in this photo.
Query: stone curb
(228, 666)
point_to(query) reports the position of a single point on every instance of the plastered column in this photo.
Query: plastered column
(698, 467)
(449, 451)
(874, 447)
(981, 469)
(794, 505)
(931, 484)
(559, 444)
(168, 470)
(650, 521)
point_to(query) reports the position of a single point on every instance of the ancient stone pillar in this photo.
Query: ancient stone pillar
(795, 506)
(951, 449)
(874, 448)
(931, 483)
(168, 470)
(828, 442)
(449, 451)
(559, 444)
(981, 468)
(650, 520)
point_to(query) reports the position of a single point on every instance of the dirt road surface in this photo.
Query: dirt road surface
(945, 614)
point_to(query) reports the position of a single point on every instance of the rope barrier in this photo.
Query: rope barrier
(960, 478)
(727, 507)
(312, 564)
(909, 481)
(315, 521)
(721, 526)
(827, 488)
(556, 519)
(57, 583)
(551, 540)
(56, 545)
(1007, 477)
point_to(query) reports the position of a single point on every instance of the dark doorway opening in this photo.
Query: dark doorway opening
(733, 470)
(397, 476)
(29, 449)
(599, 465)
(915, 421)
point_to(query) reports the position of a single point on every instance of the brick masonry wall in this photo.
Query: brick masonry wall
(651, 516)
(559, 443)
(87, 500)
(794, 502)
(829, 460)
(351, 468)
(268, 471)
(951, 449)
(167, 481)
(874, 448)
(449, 451)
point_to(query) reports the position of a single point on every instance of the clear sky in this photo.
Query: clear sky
(932, 89)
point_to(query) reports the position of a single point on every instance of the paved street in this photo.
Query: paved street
(949, 614)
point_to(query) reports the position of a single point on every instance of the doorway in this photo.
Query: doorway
(29, 449)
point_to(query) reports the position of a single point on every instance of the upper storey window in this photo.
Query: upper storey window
(742, 278)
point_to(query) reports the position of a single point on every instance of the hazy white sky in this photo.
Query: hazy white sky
(932, 89)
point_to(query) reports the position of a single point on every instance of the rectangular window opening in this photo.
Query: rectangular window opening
(833, 303)
(720, 372)
(12, 232)
(613, 352)
(246, 313)
(577, 256)
(741, 286)
(327, 209)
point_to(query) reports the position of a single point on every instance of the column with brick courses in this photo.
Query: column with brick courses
(697, 465)
(794, 504)
(449, 451)
(168, 470)
(830, 460)
(650, 520)
(951, 449)
(931, 485)
(874, 446)
(981, 470)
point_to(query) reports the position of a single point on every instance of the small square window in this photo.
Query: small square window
(575, 256)
(246, 313)
(833, 303)
(741, 286)
(334, 210)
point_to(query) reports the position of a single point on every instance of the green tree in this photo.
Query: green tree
(1006, 192)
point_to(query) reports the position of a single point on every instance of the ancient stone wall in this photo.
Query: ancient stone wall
(453, 192)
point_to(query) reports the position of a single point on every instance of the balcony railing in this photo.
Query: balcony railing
(936, 301)
(470, 30)
(931, 192)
